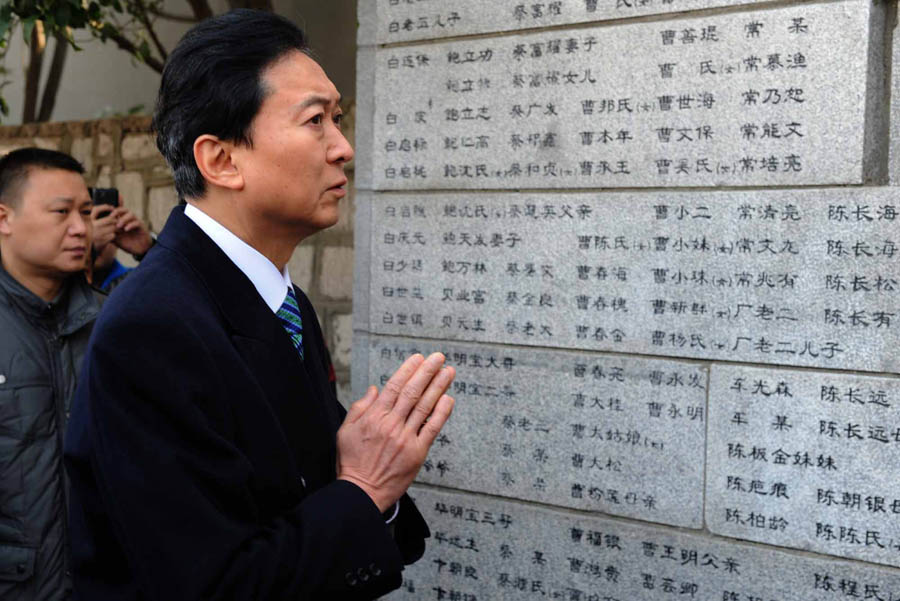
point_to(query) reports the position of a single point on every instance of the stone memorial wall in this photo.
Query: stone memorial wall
(658, 240)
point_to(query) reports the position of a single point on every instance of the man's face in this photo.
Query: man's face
(48, 233)
(294, 172)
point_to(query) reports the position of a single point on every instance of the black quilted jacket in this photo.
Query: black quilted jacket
(41, 347)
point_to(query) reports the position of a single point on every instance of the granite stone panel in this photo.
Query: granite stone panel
(619, 435)
(359, 366)
(791, 277)
(362, 243)
(746, 98)
(485, 549)
(805, 459)
(407, 20)
(364, 125)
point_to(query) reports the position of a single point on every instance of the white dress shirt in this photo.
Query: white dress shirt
(271, 284)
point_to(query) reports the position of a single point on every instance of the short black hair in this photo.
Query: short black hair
(15, 165)
(212, 84)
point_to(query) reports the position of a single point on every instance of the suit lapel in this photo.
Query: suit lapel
(293, 394)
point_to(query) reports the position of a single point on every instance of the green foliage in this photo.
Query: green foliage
(122, 21)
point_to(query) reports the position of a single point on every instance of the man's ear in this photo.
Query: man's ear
(6, 216)
(216, 163)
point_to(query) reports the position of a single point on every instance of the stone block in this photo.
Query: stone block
(364, 129)
(362, 269)
(749, 103)
(367, 19)
(160, 204)
(82, 151)
(301, 266)
(104, 177)
(346, 208)
(344, 393)
(105, 146)
(399, 21)
(7, 145)
(359, 369)
(497, 550)
(342, 339)
(48, 143)
(162, 172)
(139, 146)
(793, 277)
(131, 189)
(602, 433)
(806, 460)
(348, 128)
(336, 273)
(894, 131)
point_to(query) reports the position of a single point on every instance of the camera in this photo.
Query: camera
(105, 196)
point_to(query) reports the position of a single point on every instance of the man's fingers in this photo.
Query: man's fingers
(436, 420)
(392, 389)
(436, 388)
(360, 406)
(411, 394)
(124, 218)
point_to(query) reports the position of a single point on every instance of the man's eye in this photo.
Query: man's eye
(338, 119)
(316, 120)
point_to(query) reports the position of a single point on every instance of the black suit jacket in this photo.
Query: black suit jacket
(201, 449)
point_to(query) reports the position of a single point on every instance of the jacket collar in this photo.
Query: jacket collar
(74, 307)
(233, 292)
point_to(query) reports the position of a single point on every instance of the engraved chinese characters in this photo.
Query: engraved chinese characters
(806, 460)
(490, 550)
(737, 100)
(791, 277)
(631, 341)
(404, 20)
(572, 429)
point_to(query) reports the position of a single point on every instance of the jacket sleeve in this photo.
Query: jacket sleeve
(156, 478)
(409, 529)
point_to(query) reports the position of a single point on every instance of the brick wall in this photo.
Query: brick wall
(122, 153)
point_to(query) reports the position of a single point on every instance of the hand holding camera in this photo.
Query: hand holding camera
(115, 224)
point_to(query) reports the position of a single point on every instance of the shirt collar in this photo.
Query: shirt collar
(271, 284)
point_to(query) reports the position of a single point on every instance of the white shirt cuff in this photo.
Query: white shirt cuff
(394, 515)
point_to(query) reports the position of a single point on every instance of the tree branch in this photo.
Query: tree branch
(257, 4)
(48, 100)
(201, 9)
(169, 16)
(147, 23)
(33, 74)
(128, 46)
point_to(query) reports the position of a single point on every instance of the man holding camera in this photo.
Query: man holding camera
(47, 311)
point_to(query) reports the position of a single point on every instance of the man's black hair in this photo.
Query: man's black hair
(212, 84)
(15, 165)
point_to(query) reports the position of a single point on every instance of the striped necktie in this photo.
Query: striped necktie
(289, 314)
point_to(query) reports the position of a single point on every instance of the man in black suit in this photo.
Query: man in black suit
(208, 456)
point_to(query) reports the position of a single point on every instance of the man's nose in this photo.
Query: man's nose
(79, 225)
(340, 150)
